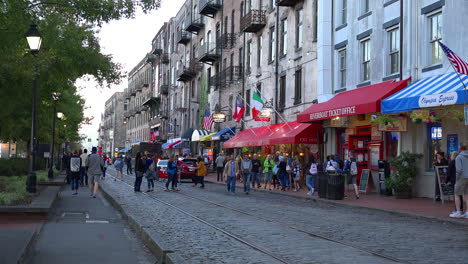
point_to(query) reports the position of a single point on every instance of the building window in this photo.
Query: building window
(298, 87)
(231, 98)
(284, 37)
(344, 4)
(247, 102)
(271, 48)
(242, 10)
(232, 21)
(241, 57)
(365, 50)
(249, 54)
(342, 68)
(365, 6)
(299, 22)
(273, 4)
(259, 51)
(259, 89)
(435, 35)
(282, 91)
(394, 50)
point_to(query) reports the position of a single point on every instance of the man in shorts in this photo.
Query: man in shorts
(461, 185)
(94, 163)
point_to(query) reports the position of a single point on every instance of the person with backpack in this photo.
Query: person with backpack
(171, 173)
(246, 169)
(268, 166)
(351, 169)
(150, 172)
(75, 169)
(312, 174)
(139, 171)
(128, 162)
(104, 168)
(118, 165)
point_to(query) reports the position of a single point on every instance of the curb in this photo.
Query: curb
(354, 206)
(41, 204)
(165, 256)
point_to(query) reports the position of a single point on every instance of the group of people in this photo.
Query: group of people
(457, 178)
(280, 171)
(82, 169)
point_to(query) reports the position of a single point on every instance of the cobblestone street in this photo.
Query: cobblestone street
(211, 226)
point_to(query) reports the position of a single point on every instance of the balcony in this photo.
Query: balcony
(165, 58)
(210, 7)
(227, 41)
(233, 74)
(163, 115)
(164, 89)
(287, 2)
(183, 37)
(156, 49)
(139, 87)
(187, 73)
(150, 58)
(132, 91)
(216, 80)
(254, 21)
(209, 53)
(194, 23)
(154, 122)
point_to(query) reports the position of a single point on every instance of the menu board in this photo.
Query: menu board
(445, 189)
(365, 175)
(374, 156)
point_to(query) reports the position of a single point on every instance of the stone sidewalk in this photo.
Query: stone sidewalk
(415, 207)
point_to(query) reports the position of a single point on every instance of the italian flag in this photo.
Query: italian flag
(257, 105)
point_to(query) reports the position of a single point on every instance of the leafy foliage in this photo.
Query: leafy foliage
(70, 50)
(405, 171)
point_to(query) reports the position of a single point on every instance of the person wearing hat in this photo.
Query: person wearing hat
(94, 163)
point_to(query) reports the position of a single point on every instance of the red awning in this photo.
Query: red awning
(357, 101)
(284, 133)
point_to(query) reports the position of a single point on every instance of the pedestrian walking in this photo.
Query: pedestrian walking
(139, 171)
(351, 169)
(171, 173)
(106, 165)
(128, 162)
(94, 163)
(275, 171)
(67, 167)
(83, 170)
(220, 167)
(231, 170)
(201, 173)
(246, 169)
(311, 177)
(179, 170)
(239, 163)
(256, 166)
(75, 168)
(283, 174)
(150, 172)
(452, 177)
(118, 165)
(461, 184)
(297, 172)
(289, 170)
(268, 166)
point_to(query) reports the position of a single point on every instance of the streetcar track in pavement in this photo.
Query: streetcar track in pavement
(227, 233)
(236, 237)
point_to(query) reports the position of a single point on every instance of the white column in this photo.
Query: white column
(324, 51)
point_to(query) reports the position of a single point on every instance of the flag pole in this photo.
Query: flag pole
(243, 123)
(458, 75)
(251, 109)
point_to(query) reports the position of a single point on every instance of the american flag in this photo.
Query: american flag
(459, 65)
(207, 120)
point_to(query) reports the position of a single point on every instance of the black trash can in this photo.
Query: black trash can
(322, 184)
(335, 186)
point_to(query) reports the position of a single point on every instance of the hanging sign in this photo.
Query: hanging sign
(219, 117)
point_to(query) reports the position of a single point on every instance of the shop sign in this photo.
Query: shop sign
(219, 117)
(343, 111)
(152, 136)
(307, 140)
(452, 143)
(436, 133)
(400, 125)
(432, 100)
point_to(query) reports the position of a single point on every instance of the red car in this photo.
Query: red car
(162, 168)
(188, 169)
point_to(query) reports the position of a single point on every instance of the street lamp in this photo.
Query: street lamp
(34, 39)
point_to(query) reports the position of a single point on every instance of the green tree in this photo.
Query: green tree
(70, 50)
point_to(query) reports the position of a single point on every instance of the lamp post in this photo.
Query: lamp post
(34, 40)
(59, 116)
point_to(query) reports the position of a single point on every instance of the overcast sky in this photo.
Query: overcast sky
(128, 41)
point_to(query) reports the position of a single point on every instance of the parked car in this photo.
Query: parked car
(188, 169)
(162, 168)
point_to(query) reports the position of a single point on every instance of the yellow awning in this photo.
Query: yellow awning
(208, 137)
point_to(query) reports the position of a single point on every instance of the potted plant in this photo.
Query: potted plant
(402, 177)
(384, 120)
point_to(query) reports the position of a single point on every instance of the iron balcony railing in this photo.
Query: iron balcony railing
(183, 37)
(227, 41)
(209, 8)
(253, 21)
(209, 52)
(287, 2)
(194, 23)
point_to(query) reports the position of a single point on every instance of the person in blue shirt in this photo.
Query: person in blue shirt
(351, 169)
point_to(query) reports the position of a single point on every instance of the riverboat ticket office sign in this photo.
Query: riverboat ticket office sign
(327, 114)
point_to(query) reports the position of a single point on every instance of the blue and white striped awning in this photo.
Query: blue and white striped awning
(445, 89)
